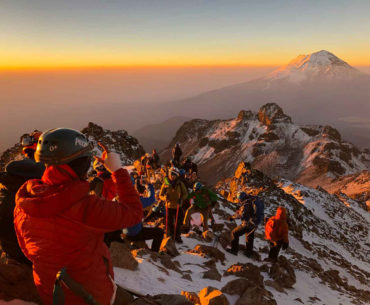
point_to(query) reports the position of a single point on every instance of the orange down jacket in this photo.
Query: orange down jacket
(58, 224)
(276, 228)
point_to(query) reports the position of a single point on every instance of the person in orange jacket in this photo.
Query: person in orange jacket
(60, 225)
(276, 232)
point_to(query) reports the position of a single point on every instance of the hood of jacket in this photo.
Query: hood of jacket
(58, 189)
(281, 213)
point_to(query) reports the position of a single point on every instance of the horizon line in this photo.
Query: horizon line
(117, 67)
(73, 67)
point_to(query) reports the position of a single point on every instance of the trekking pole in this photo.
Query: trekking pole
(166, 220)
(216, 240)
(76, 288)
(177, 218)
(249, 233)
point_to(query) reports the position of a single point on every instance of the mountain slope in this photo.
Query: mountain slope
(326, 262)
(310, 154)
(159, 135)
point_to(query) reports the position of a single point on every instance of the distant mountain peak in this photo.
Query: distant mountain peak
(272, 113)
(315, 66)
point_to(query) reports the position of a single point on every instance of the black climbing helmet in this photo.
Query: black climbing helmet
(61, 146)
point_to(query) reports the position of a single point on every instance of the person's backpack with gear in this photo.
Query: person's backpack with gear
(260, 211)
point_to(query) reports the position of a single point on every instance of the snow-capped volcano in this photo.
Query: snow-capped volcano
(319, 65)
(318, 88)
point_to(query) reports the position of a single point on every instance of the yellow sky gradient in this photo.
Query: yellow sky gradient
(54, 59)
(73, 34)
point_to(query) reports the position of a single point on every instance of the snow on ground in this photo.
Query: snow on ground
(309, 290)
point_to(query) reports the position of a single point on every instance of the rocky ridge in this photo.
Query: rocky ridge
(269, 140)
(119, 141)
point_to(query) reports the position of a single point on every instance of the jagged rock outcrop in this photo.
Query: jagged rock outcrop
(119, 141)
(13, 153)
(271, 114)
(311, 155)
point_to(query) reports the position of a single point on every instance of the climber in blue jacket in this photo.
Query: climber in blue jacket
(138, 232)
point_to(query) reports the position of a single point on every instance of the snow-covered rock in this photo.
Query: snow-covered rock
(309, 154)
(119, 141)
(326, 262)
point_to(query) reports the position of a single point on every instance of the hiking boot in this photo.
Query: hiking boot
(178, 240)
(233, 252)
(270, 260)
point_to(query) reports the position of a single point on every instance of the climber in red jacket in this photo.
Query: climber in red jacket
(59, 225)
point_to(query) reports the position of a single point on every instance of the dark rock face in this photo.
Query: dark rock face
(256, 295)
(250, 287)
(212, 274)
(122, 257)
(195, 127)
(332, 133)
(168, 246)
(10, 154)
(248, 271)
(208, 251)
(119, 141)
(237, 286)
(246, 115)
(16, 282)
(221, 145)
(271, 113)
(283, 273)
(325, 165)
(212, 296)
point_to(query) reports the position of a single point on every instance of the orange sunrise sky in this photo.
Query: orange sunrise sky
(61, 34)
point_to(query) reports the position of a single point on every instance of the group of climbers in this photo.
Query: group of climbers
(251, 213)
(64, 220)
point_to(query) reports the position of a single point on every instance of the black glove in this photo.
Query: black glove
(285, 246)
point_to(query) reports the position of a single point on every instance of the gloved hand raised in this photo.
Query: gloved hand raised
(111, 160)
